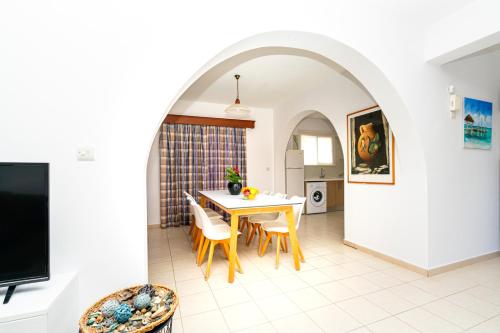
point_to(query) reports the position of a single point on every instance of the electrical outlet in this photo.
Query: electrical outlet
(85, 154)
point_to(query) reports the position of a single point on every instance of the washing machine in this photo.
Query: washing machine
(316, 197)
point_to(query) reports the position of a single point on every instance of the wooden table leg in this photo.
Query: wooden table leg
(232, 246)
(203, 201)
(292, 232)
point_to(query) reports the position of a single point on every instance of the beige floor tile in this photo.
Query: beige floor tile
(391, 325)
(308, 299)
(276, 307)
(357, 268)
(382, 279)
(427, 322)
(489, 326)
(177, 326)
(335, 291)
(403, 274)
(242, 316)
(389, 301)
(363, 311)
(332, 319)
(261, 289)
(188, 273)
(289, 283)
(313, 277)
(190, 287)
(296, 324)
(454, 314)
(360, 285)
(486, 294)
(211, 321)
(413, 294)
(266, 328)
(230, 296)
(197, 303)
(337, 272)
(474, 304)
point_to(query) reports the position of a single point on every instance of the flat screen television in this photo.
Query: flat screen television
(24, 224)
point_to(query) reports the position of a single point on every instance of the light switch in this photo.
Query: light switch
(85, 154)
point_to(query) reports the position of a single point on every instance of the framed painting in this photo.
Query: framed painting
(477, 123)
(370, 155)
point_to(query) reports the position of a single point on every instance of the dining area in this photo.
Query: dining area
(229, 216)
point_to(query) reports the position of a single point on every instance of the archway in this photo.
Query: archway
(321, 177)
(412, 182)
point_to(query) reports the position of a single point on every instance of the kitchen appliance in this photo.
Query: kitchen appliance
(295, 172)
(24, 224)
(316, 197)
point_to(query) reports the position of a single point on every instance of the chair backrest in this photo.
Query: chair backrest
(188, 196)
(298, 209)
(206, 225)
(192, 210)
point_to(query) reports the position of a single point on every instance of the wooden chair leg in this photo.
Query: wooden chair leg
(200, 247)
(300, 253)
(266, 243)
(278, 245)
(203, 251)
(210, 257)
(261, 232)
(191, 227)
(197, 238)
(225, 247)
(252, 234)
(286, 243)
(249, 233)
(238, 264)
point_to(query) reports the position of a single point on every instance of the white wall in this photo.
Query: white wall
(153, 182)
(105, 74)
(371, 216)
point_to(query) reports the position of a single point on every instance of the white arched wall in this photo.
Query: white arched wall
(383, 224)
(384, 218)
(107, 83)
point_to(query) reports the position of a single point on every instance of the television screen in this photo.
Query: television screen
(24, 223)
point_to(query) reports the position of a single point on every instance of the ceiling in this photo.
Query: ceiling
(266, 81)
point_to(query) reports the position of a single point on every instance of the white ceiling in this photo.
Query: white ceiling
(266, 81)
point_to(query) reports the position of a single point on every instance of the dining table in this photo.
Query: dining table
(237, 205)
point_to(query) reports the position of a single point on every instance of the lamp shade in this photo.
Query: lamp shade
(237, 109)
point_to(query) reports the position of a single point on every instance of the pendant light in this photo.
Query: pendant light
(237, 109)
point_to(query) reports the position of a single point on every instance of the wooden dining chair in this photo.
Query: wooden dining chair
(279, 228)
(213, 234)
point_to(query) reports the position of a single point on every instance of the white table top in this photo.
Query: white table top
(229, 201)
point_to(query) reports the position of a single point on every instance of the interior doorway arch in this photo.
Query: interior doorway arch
(370, 78)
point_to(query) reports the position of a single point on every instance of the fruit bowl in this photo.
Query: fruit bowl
(249, 193)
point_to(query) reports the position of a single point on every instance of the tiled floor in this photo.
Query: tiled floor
(338, 289)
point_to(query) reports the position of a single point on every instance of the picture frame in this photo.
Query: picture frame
(477, 123)
(370, 148)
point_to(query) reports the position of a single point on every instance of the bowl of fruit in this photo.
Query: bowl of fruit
(249, 193)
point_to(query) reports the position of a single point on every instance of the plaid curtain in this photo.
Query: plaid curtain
(193, 158)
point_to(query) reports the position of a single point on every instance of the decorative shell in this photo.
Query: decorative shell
(147, 289)
(123, 313)
(109, 307)
(142, 301)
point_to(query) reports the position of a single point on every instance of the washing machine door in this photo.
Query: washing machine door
(317, 197)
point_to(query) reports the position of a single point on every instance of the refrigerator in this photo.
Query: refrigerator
(294, 164)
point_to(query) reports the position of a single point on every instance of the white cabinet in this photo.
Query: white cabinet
(36, 324)
(45, 307)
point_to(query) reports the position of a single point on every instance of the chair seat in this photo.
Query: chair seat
(261, 218)
(275, 226)
(219, 232)
(217, 221)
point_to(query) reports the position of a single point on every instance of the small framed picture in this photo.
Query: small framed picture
(477, 123)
